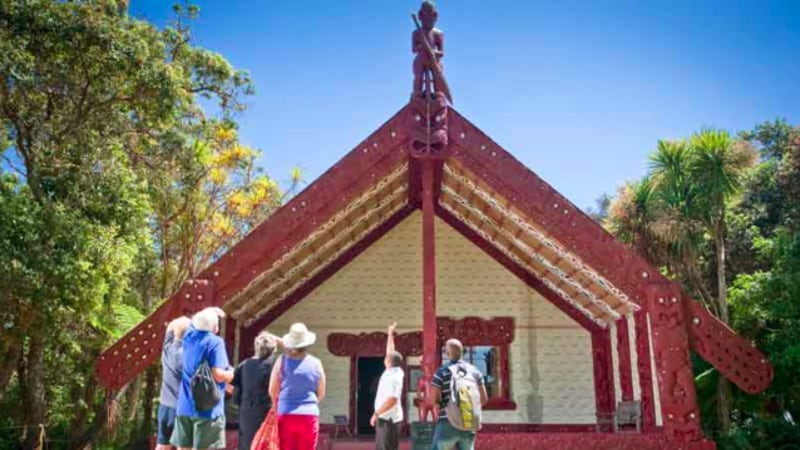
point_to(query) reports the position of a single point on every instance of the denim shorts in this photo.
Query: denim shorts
(446, 437)
(166, 423)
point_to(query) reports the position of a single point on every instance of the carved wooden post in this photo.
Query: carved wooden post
(430, 350)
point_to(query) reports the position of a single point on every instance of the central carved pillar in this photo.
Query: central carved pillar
(431, 359)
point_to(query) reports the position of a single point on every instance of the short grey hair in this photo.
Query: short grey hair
(265, 344)
(455, 349)
(396, 358)
(179, 326)
(208, 319)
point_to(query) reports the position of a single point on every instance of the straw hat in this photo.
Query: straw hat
(299, 337)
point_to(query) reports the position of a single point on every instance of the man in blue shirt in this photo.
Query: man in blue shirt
(195, 429)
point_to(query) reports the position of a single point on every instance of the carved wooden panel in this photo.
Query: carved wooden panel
(732, 355)
(374, 344)
(476, 331)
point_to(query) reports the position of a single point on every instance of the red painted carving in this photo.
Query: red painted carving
(681, 416)
(603, 373)
(425, 409)
(624, 351)
(645, 372)
(428, 44)
(373, 344)
(140, 347)
(427, 120)
(430, 359)
(733, 356)
(470, 331)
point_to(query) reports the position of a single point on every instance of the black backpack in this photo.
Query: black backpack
(205, 392)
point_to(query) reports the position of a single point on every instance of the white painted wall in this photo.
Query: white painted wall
(551, 363)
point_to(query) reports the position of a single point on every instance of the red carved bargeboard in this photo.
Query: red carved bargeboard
(141, 346)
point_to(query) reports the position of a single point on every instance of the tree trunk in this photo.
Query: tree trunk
(133, 397)
(8, 365)
(99, 423)
(34, 392)
(151, 380)
(723, 387)
(79, 422)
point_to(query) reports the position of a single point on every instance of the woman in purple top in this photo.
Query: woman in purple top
(298, 383)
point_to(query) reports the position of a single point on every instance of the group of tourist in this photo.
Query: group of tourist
(197, 373)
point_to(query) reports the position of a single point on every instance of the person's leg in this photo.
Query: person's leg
(166, 425)
(380, 435)
(393, 441)
(286, 432)
(209, 433)
(466, 440)
(444, 436)
(307, 432)
(182, 434)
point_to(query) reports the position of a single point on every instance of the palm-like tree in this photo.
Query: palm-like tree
(717, 167)
(678, 224)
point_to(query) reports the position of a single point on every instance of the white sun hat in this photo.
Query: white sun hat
(299, 337)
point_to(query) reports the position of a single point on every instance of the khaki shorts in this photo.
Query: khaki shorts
(198, 433)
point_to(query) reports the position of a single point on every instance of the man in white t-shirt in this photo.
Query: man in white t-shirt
(388, 411)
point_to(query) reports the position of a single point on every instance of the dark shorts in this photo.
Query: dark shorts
(197, 433)
(387, 435)
(166, 423)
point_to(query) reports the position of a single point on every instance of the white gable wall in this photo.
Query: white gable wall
(551, 360)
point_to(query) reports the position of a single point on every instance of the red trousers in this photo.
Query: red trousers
(298, 432)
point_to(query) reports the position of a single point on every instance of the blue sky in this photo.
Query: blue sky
(578, 91)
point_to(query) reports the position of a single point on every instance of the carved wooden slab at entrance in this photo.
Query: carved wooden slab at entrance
(373, 344)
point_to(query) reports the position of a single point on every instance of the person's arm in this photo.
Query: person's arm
(484, 396)
(482, 384)
(436, 389)
(222, 375)
(390, 339)
(275, 380)
(387, 405)
(322, 384)
(221, 370)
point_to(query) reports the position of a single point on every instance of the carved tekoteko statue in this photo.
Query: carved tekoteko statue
(428, 44)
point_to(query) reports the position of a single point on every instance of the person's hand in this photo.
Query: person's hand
(392, 327)
(373, 420)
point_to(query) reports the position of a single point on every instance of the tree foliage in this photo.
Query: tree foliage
(711, 195)
(115, 186)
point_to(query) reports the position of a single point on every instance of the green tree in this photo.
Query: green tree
(717, 168)
(93, 105)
